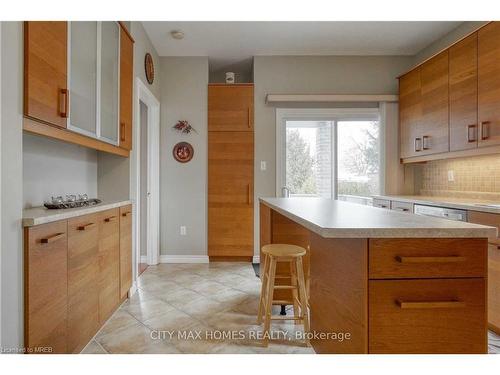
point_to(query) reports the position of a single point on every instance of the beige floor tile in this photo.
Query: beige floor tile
(93, 348)
(207, 287)
(145, 310)
(232, 296)
(204, 307)
(135, 339)
(172, 321)
(120, 320)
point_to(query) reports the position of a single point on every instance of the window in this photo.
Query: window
(329, 153)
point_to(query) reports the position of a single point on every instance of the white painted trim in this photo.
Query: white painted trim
(1, 217)
(329, 98)
(326, 114)
(143, 94)
(143, 259)
(256, 259)
(132, 289)
(184, 259)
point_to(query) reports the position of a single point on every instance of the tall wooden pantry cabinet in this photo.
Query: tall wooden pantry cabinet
(230, 171)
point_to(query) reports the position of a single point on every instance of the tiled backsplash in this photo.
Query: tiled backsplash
(476, 177)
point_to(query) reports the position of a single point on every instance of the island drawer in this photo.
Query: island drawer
(405, 258)
(402, 206)
(427, 316)
(381, 203)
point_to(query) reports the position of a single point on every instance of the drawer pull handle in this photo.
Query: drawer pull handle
(86, 226)
(111, 218)
(430, 304)
(125, 214)
(53, 238)
(401, 209)
(452, 259)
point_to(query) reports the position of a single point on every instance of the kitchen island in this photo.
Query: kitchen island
(385, 281)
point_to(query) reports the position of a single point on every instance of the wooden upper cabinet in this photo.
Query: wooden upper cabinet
(434, 89)
(230, 107)
(45, 72)
(410, 112)
(463, 94)
(489, 84)
(126, 82)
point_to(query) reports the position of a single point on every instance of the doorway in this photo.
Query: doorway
(329, 153)
(146, 179)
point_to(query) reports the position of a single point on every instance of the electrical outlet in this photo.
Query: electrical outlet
(183, 230)
(263, 165)
(451, 176)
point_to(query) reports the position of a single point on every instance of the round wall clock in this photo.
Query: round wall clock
(183, 152)
(150, 68)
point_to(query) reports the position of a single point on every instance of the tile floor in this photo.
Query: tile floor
(201, 301)
(205, 302)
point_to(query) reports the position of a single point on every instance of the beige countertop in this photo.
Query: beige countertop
(42, 215)
(451, 202)
(331, 218)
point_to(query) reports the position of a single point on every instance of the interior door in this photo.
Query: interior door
(230, 193)
(489, 84)
(463, 94)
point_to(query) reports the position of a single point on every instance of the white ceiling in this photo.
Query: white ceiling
(227, 43)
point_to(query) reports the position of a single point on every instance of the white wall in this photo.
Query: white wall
(52, 168)
(11, 190)
(183, 187)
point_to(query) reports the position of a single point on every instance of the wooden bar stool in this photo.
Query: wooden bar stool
(293, 255)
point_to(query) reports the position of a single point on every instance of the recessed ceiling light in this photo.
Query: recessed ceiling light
(177, 34)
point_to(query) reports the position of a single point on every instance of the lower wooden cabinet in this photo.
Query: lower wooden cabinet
(83, 281)
(125, 250)
(109, 263)
(46, 288)
(427, 316)
(77, 272)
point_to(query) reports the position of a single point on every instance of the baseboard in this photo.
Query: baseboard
(183, 259)
(256, 259)
(132, 289)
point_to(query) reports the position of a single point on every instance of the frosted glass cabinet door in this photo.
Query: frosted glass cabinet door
(109, 94)
(83, 77)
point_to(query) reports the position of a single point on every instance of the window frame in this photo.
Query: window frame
(324, 114)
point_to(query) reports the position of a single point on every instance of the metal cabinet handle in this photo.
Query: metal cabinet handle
(86, 226)
(401, 209)
(425, 140)
(472, 127)
(64, 102)
(109, 219)
(485, 130)
(417, 144)
(53, 238)
(430, 304)
(448, 259)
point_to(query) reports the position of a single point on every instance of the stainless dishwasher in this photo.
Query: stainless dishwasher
(441, 212)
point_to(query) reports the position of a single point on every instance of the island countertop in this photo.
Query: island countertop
(337, 219)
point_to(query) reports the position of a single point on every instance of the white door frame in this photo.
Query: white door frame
(304, 114)
(143, 94)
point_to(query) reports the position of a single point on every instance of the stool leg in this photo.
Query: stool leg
(303, 296)
(263, 289)
(295, 296)
(269, 302)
